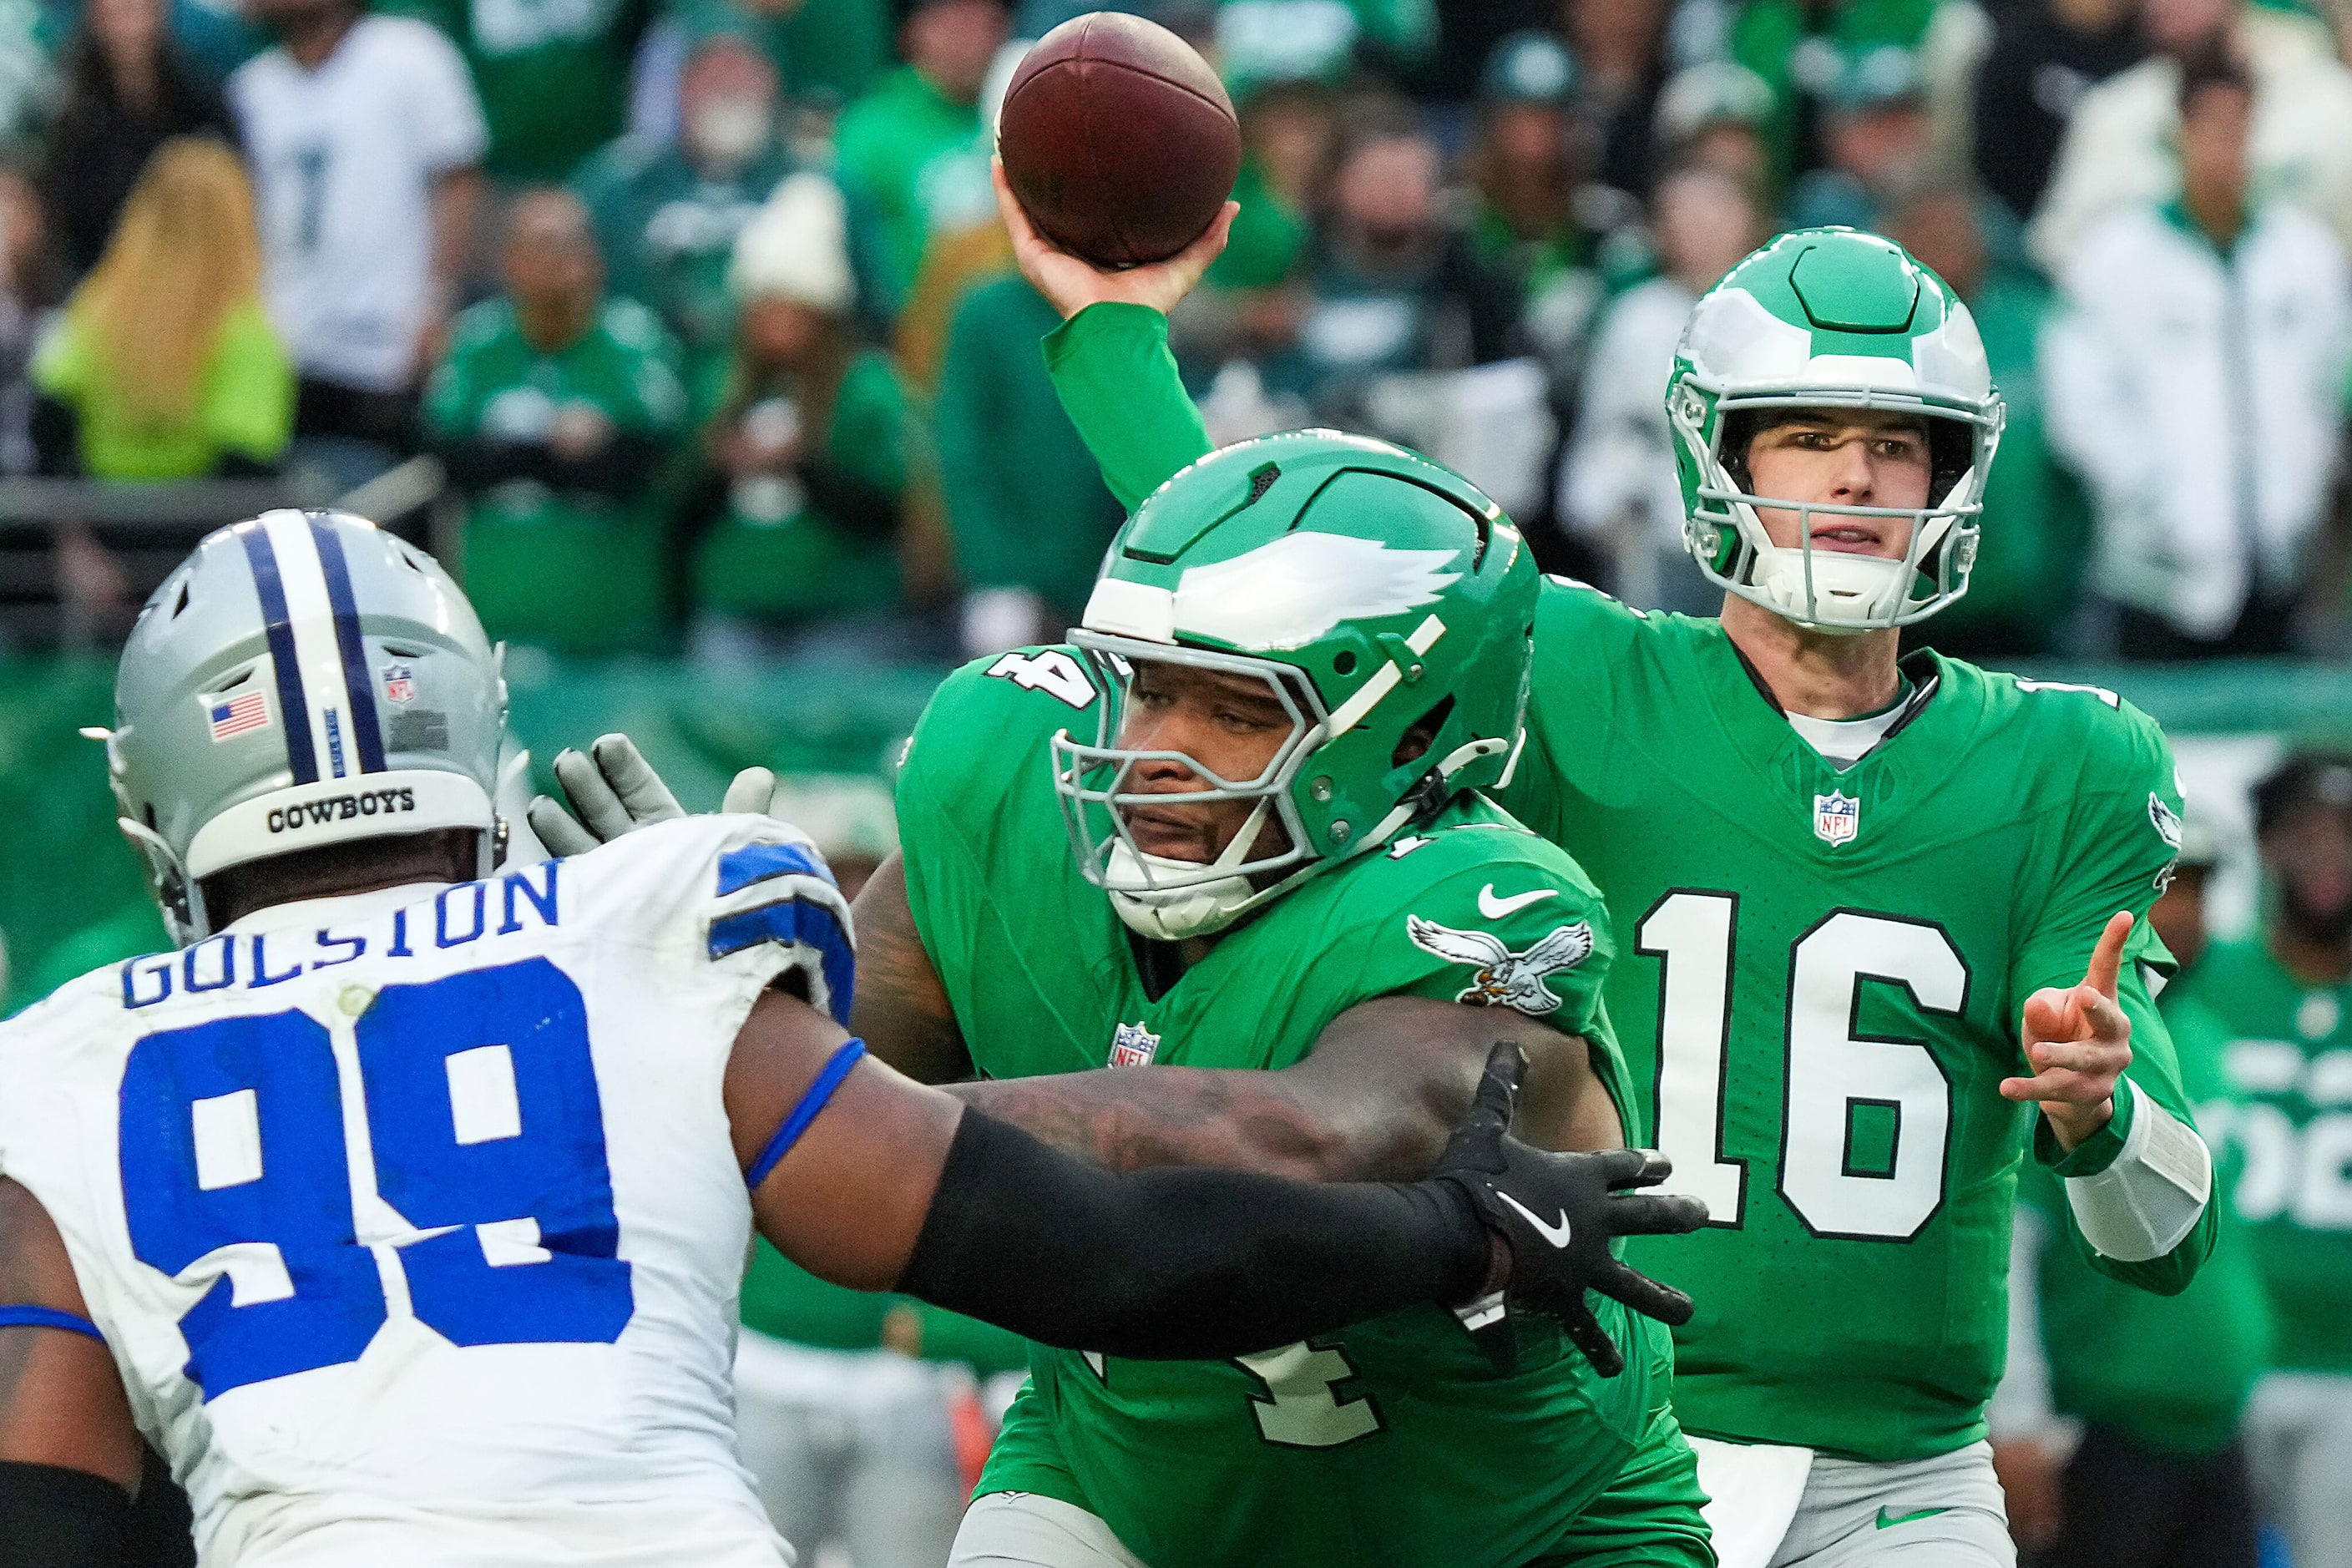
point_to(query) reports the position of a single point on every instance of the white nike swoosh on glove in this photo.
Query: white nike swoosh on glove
(1494, 909)
(1555, 1233)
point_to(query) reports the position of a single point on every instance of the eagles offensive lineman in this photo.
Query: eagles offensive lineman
(1235, 825)
(404, 1207)
(1870, 907)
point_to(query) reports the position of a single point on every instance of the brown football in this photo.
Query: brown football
(1119, 140)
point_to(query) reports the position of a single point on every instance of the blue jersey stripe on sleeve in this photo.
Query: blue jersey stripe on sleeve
(795, 921)
(815, 1098)
(740, 868)
(28, 1317)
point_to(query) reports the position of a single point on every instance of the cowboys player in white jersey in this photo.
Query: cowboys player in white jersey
(404, 1207)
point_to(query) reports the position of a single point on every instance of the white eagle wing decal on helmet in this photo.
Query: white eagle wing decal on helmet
(1288, 593)
(1504, 978)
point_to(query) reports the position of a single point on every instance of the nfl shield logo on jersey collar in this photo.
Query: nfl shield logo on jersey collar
(1133, 1046)
(1837, 817)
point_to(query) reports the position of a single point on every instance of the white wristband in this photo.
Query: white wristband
(2139, 1207)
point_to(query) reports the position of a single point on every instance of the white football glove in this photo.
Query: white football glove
(613, 790)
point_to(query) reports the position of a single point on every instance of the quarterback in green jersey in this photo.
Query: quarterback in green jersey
(1869, 908)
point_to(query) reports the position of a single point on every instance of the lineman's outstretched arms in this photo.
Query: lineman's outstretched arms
(893, 1185)
(1375, 1100)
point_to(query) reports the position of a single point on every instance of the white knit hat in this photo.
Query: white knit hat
(797, 247)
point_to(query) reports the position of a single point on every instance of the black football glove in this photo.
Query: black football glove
(1559, 1213)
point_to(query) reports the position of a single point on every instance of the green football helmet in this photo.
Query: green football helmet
(1371, 590)
(1831, 317)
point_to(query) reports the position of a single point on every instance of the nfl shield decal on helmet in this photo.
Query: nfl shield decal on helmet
(1133, 1047)
(1837, 816)
(399, 683)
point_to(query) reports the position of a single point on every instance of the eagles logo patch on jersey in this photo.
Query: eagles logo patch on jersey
(1504, 978)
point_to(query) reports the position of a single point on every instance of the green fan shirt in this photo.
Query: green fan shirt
(576, 573)
(2290, 1056)
(1392, 1443)
(244, 404)
(1821, 973)
(553, 75)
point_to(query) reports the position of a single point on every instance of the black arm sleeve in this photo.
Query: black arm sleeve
(51, 1516)
(1178, 1264)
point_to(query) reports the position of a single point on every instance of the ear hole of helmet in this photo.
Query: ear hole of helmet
(1415, 743)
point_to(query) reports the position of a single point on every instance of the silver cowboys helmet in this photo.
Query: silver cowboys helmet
(1831, 317)
(303, 679)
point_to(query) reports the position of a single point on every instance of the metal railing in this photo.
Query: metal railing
(78, 557)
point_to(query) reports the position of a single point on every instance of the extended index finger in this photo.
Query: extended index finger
(2107, 958)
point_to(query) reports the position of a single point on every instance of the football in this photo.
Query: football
(1119, 140)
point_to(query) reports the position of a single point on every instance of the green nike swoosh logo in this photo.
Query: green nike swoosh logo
(1886, 1519)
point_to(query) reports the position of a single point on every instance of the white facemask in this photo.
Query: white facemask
(1204, 904)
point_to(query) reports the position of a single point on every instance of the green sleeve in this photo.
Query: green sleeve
(1111, 367)
(658, 400)
(2122, 832)
(1547, 957)
(248, 404)
(2120, 841)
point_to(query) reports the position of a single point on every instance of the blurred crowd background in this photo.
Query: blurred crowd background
(686, 331)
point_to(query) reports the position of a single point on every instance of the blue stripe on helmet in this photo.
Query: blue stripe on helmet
(293, 707)
(364, 728)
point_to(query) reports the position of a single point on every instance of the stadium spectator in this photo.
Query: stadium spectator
(667, 213)
(1800, 48)
(2118, 147)
(827, 53)
(1394, 287)
(2195, 379)
(1027, 503)
(554, 80)
(813, 454)
(128, 91)
(2036, 521)
(365, 136)
(2116, 1427)
(164, 365)
(914, 118)
(2042, 56)
(2284, 995)
(1619, 494)
(1526, 180)
(1619, 49)
(1715, 113)
(554, 413)
(1876, 140)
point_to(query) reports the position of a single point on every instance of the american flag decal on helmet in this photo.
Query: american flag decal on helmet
(236, 715)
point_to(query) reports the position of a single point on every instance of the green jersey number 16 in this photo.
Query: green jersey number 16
(1866, 1118)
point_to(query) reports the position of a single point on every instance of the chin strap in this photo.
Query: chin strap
(1195, 909)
